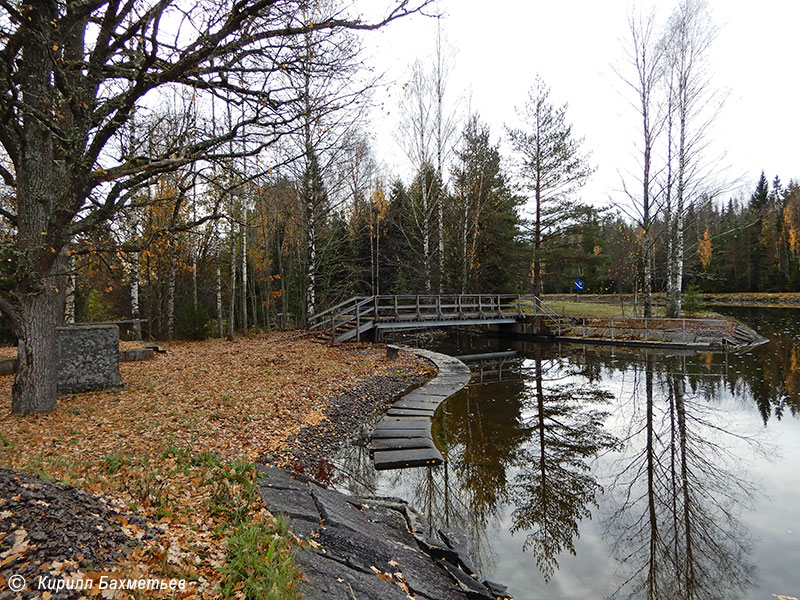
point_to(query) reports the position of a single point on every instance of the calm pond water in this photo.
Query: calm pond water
(599, 472)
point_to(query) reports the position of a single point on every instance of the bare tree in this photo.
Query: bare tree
(645, 57)
(416, 134)
(445, 125)
(687, 41)
(71, 74)
(427, 131)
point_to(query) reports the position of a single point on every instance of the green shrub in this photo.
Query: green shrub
(193, 323)
(693, 300)
(99, 306)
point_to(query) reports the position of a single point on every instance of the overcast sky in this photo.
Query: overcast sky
(575, 46)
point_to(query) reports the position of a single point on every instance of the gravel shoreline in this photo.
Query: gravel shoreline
(310, 450)
(56, 531)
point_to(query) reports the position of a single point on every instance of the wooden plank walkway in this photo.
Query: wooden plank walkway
(402, 438)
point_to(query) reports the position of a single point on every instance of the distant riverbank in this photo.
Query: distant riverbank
(629, 305)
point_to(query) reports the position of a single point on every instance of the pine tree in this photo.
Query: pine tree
(551, 166)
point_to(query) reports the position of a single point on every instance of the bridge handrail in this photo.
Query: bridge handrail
(385, 307)
(332, 309)
(356, 308)
(539, 304)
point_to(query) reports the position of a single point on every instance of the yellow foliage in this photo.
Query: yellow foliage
(705, 248)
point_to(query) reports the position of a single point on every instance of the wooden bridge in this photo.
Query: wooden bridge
(363, 316)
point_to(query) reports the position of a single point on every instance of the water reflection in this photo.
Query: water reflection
(676, 526)
(638, 461)
(555, 487)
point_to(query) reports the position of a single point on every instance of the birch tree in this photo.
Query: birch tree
(416, 132)
(687, 42)
(645, 61)
(71, 74)
(428, 129)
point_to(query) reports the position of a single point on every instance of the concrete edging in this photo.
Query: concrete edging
(402, 438)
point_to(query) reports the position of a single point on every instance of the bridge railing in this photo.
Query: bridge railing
(316, 320)
(430, 307)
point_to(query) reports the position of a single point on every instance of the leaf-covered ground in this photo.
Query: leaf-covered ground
(175, 445)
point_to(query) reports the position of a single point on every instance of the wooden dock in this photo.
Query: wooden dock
(403, 438)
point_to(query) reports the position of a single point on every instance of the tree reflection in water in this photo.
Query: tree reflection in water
(676, 526)
(530, 453)
(555, 487)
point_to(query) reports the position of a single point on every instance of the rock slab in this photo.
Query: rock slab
(88, 358)
(367, 548)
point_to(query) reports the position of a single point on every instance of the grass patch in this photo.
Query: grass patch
(261, 563)
(614, 306)
(234, 491)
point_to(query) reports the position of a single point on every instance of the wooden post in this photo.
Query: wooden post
(612, 329)
(358, 321)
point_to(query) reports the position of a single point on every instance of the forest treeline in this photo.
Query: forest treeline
(233, 200)
(191, 280)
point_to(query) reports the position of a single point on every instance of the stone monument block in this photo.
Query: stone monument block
(88, 358)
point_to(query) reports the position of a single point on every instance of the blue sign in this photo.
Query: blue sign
(579, 284)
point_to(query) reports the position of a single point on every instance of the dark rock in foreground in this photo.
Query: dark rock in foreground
(367, 548)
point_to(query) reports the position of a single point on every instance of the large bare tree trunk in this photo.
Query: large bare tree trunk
(35, 388)
(35, 308)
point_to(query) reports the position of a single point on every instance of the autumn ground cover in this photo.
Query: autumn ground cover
(178, 445)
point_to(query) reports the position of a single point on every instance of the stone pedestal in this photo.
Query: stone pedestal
(88, 358)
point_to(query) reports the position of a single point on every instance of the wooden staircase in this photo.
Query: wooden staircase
(347, 320)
